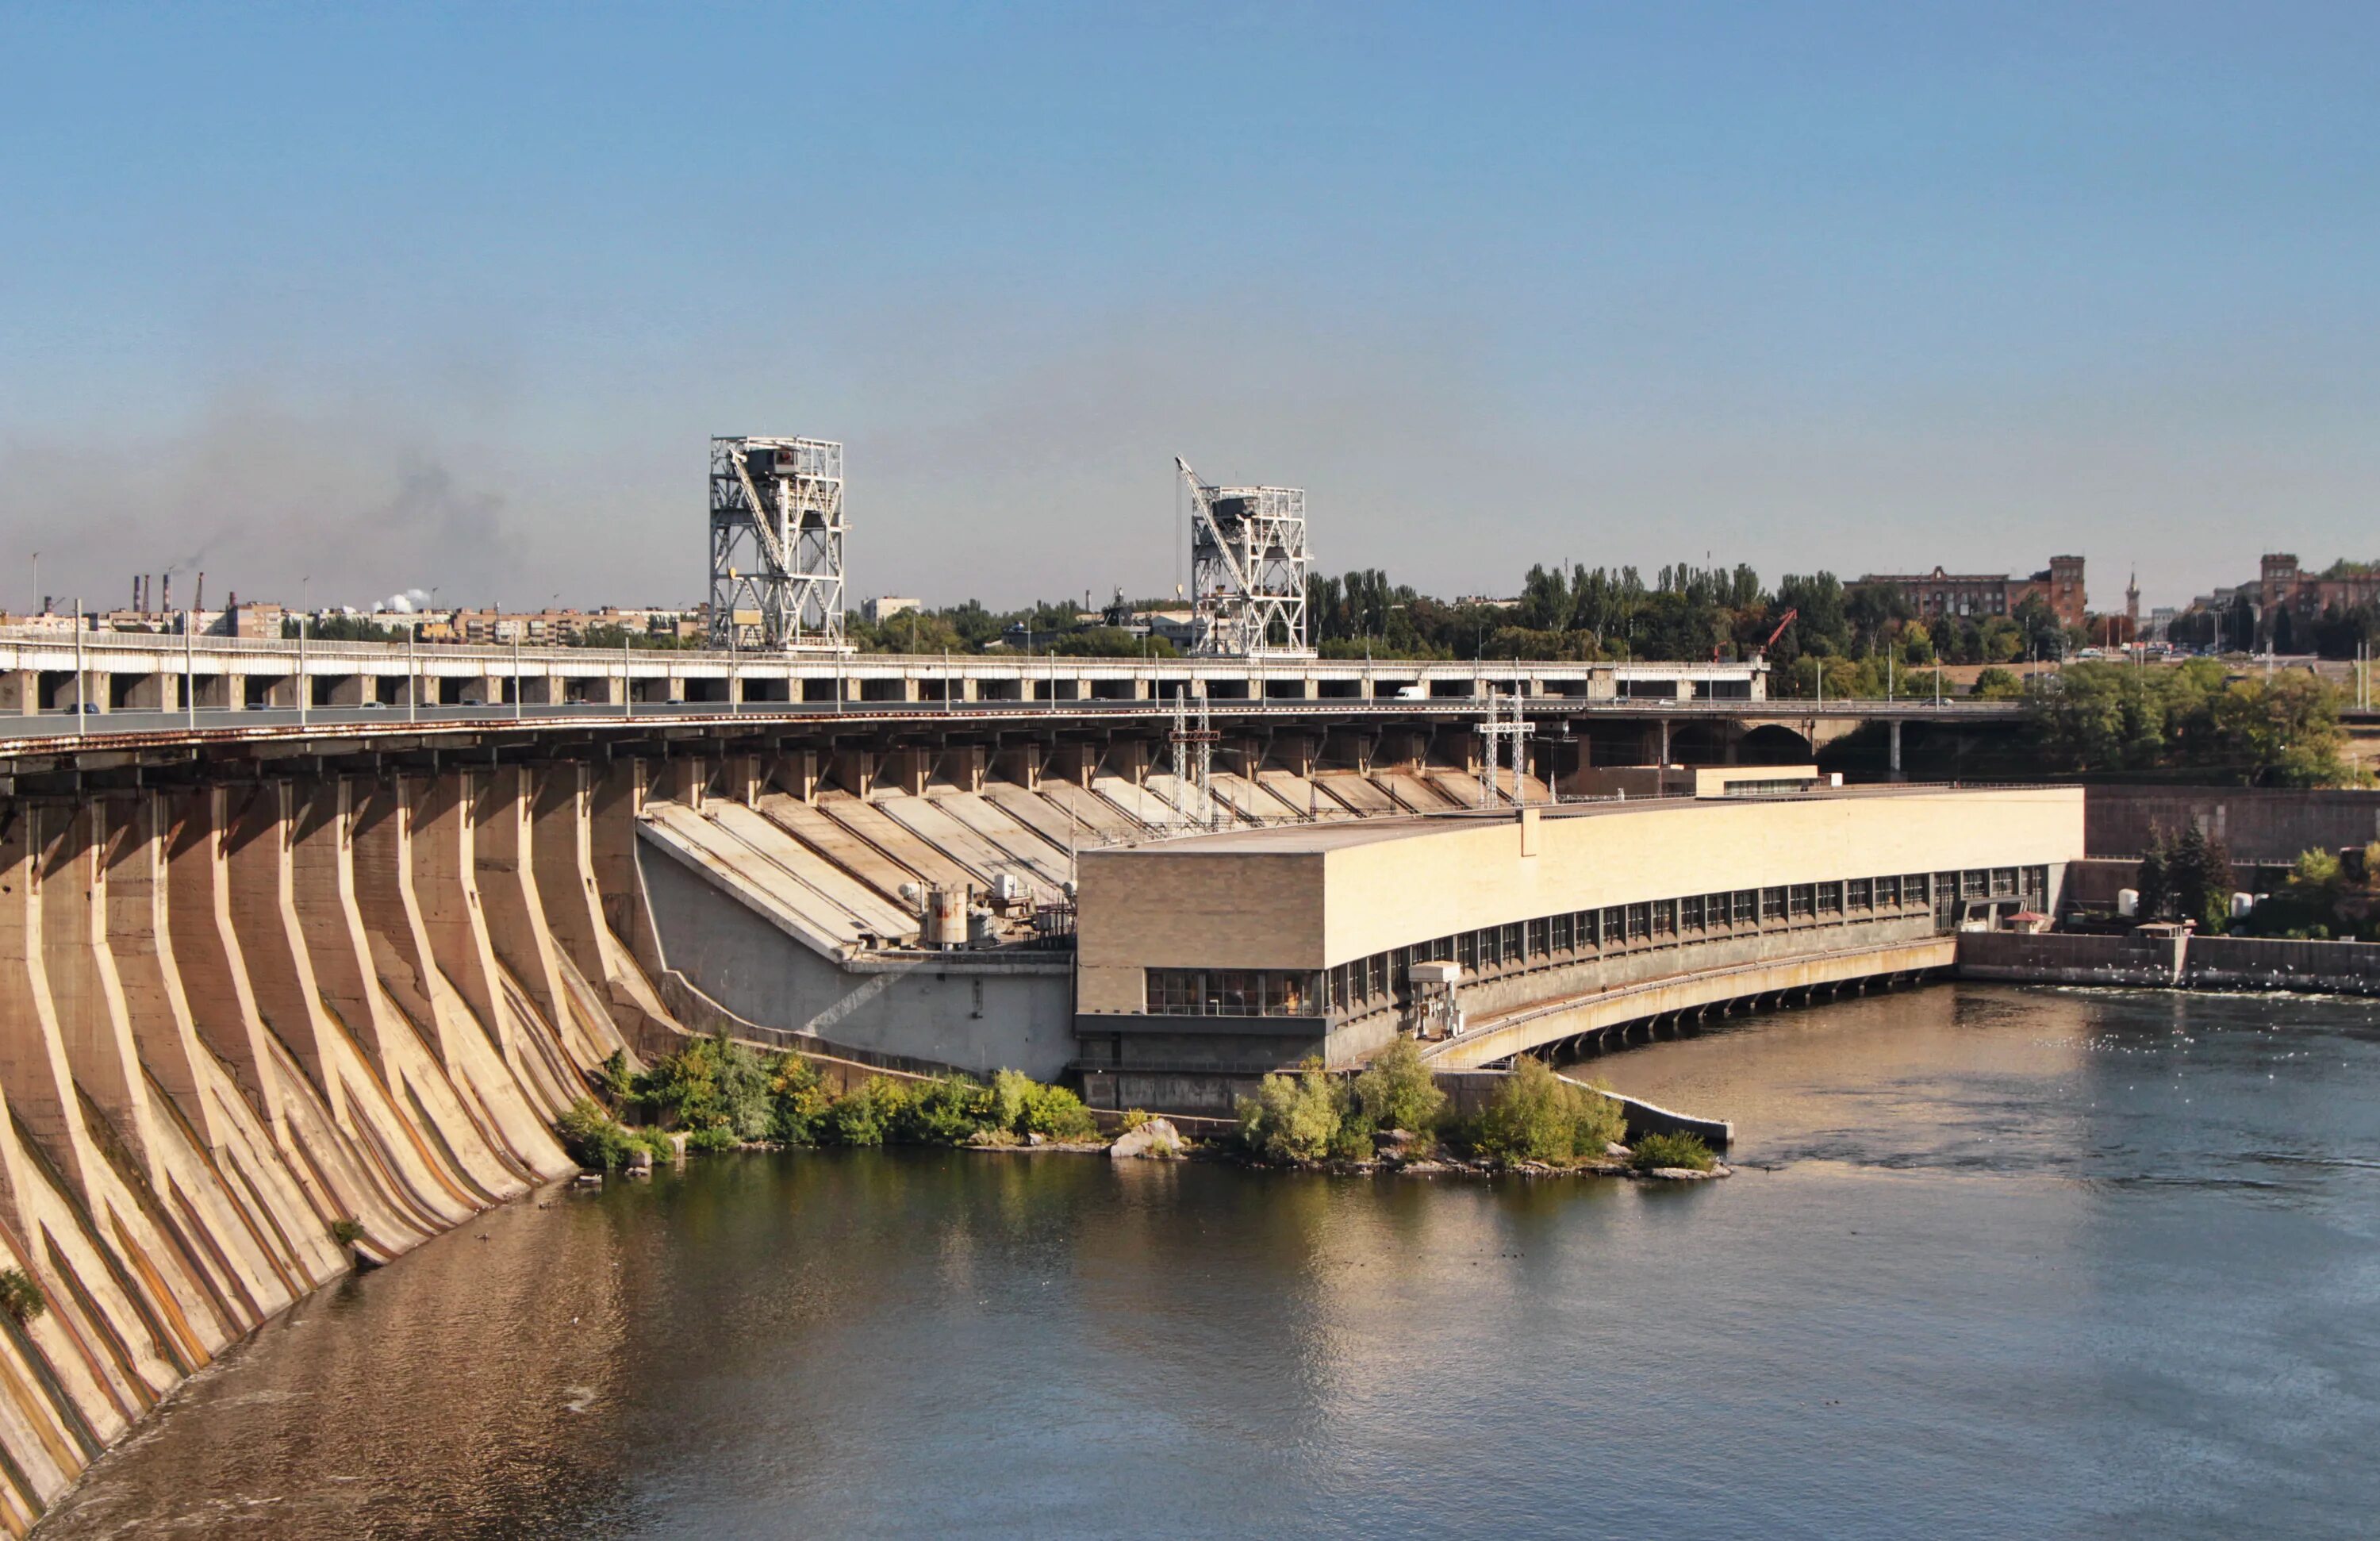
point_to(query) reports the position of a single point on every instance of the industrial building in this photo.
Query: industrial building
(1204, 962)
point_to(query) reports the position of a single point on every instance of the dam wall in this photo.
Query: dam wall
(253, 1034)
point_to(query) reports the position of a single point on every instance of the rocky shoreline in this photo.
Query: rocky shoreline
(1398, 1154)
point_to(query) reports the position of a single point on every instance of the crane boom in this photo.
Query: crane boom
(1202, 508)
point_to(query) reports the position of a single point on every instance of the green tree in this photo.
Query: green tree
(2155, 879)
(2202, 878)
(1999, 685)
(1292, 1118)
(1397, 1090)
(1535, 1115)
(2282, 731)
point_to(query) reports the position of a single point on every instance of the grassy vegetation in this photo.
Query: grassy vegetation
(721, 1094)
(1653, 1151)
(1537, 1116)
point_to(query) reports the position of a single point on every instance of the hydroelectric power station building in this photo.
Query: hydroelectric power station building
(1206, 961)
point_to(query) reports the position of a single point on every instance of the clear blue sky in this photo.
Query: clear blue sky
(414, 295)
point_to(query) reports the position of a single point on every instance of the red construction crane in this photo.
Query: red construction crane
(1788, 619)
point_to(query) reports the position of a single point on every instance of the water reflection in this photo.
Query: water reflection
(2116, 1246)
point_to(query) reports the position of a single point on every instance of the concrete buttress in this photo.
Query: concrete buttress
(264, 915)
(446, 890)
(565, 864)
(503, 859)
(207, 948)
(94, 1021)
(140, 935)
(392, 914)
(323, 875)
(32, 1065)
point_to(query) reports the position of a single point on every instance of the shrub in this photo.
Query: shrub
(613, 1079)
(1010, 1093)
(1292, 1118)
(1999, 685)
(1672, 1150)
(346, 1231)
(713, 1083)
(712, 1137)
(797, 1099)
(1351, 1140)
(946, 1112)
(592, 1137)
(2316, 870)
(1537, 1116)
(21, 1297)
(1056, 1113)
(1397, 1090)
(1134, 1118)
(864, 1116)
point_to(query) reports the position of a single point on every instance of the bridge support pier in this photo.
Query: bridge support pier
(1893, 732)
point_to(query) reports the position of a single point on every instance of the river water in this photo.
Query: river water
(1999, 1262)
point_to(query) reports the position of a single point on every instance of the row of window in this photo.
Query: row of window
(1371, 981)
(1232, 992)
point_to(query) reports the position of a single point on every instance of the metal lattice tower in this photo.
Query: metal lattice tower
(1194, 764)
(776, 545)
(1497, 733)
(1247, 570)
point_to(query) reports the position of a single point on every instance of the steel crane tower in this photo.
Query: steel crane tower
(776, 545)
(1247, 570)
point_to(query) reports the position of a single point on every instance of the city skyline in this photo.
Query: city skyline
(446, 300)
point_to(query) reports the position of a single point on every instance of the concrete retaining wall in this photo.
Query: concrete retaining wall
(976, 1014)
(2262, 963)
(2258, 824)
(2197, 962)
(2070, 960)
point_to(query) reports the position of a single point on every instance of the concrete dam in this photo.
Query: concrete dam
(276, 998)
